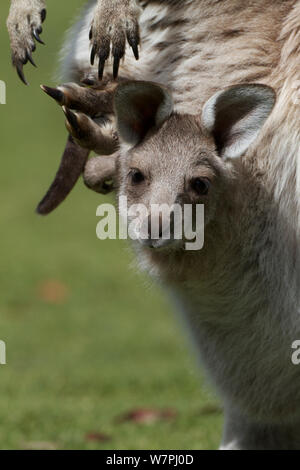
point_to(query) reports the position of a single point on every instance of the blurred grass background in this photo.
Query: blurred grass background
(88, 339)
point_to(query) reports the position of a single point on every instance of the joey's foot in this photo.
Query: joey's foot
(89, 113)
(94, 101)
(114, 22)
(24, 26)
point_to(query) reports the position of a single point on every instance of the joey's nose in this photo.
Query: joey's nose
(157, 231)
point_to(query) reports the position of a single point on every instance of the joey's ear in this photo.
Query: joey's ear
(140, 106)
(235, 117)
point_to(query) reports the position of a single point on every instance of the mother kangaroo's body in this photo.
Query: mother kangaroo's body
(241, 294)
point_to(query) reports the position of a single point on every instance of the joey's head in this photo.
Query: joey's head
(170, 160)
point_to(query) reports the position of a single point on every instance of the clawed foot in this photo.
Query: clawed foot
(24, 25)
(113, 23)
(101, 139)
(89, 116)
(89, 100)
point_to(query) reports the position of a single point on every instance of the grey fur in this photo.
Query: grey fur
(240, 295)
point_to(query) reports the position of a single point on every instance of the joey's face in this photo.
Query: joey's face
(175, 167)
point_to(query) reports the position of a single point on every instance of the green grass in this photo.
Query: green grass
(112, 344)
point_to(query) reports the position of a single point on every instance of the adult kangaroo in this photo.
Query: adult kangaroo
(196, 120)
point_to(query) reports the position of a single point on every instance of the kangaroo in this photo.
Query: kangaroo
(209, 115)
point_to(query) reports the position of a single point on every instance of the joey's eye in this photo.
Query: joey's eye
(136, 176)
(200, 186)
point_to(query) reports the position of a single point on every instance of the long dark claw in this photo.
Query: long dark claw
(101, 68)
(36, 33)
(93, 54)
(20, 72)
(116, 66)
(54, 93)
(135, 51)
(91, 34)
(43, 14)
(133, 42)
(72, 118)
(29, 57)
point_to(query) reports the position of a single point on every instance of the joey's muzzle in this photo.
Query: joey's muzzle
(158, 230)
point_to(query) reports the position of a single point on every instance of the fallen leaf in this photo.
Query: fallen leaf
(148, 416)
(210, 409)
(97, 437)
(53, 291)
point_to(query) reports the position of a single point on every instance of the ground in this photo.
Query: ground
(88, 339)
